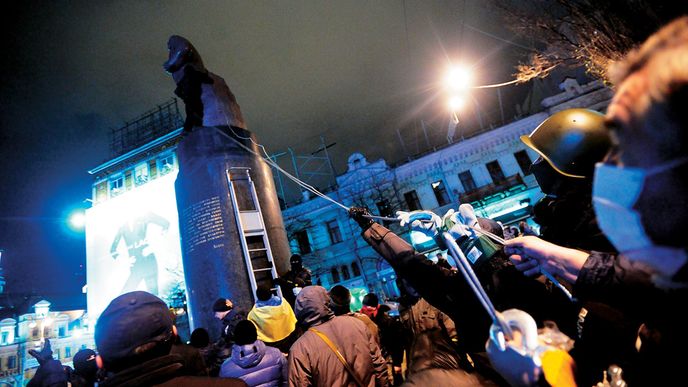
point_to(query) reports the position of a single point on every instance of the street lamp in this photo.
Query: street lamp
(457, 83)
(458, 78)
(77, 220)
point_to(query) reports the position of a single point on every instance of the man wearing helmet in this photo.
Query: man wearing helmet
(569, 143)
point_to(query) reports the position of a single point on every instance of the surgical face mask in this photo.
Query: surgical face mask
(615, 193)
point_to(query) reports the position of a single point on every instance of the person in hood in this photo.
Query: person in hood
(274, 319)
(295, 279)
(253, 361)
(313, 360)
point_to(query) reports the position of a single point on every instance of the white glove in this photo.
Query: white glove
(518, 360)
(426, 222)
(460, 223)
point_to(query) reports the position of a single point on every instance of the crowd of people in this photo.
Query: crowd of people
(612, 228)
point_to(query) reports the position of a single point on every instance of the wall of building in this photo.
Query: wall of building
(68, 331)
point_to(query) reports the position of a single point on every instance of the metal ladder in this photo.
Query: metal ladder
(254, 237)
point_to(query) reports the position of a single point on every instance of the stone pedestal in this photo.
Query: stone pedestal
(214, 265)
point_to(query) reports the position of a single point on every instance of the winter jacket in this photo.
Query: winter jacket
(257, 365)
(449, 292)
(229, 322)
(273, 319)
(614, 280)
(604, 334)
(313, 363)
(292, 279)
(164, 371)
(433, 362)
(422, 317)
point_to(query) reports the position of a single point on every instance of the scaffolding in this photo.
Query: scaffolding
(151, 125)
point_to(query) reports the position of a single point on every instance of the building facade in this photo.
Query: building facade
(68, 331)
(490, 170)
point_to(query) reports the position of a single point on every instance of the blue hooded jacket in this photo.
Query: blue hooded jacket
(257, 365)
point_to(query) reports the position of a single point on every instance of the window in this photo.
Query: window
(441, 193)
(141, 174)
(495, 171)
(302, 239)
(166, 164)
(12, 362)
(467, 181)
(345, 273)
(68, 352)
(46, 331)
(383, 208)
(117, 185)
(101, 191)
(61, 331)
(5, 338)
(335, 275)
(523, 161)
(355, 269)
(128, 180)
(333, 230)
(34, 332)
(153, 168)
(412, 201)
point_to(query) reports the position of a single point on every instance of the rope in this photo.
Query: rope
(273, 164)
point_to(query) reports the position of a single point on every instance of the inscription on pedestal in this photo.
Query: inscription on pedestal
(203, 221)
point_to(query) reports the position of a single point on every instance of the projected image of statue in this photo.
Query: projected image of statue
(143, 264)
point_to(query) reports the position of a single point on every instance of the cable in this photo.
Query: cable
(271, 163)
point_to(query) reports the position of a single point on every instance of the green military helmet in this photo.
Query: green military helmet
(571, 141)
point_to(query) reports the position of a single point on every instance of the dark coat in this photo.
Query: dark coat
(614, 280)
(449, 292)
(433, 362)
(164, 371)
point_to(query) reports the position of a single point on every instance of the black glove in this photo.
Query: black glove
(359, 215)
(45, 355)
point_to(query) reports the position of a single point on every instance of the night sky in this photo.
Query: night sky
(352, 71)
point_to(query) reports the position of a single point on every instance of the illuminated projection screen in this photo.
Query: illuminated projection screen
(132, 243)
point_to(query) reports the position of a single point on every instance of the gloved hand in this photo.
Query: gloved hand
(527, 358)
(45, 355)
(359, 215)
(517, 360)
(426, 222)
(459, 224)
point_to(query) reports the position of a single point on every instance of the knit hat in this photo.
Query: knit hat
(245, 333)
(263, 293)
(131, 320)
(371, 299)
(222, 305)
(200, 338)
(85, 363)
(340, 295)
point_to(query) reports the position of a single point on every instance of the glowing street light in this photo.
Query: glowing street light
(457, 82)
(458, 79)
(77, 220)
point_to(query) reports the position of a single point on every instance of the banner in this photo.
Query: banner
(132, 243)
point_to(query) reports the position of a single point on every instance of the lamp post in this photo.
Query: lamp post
(457, 82)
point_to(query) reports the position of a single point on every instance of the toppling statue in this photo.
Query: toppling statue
(206, 96)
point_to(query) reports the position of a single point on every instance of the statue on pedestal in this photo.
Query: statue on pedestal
(207, 98)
